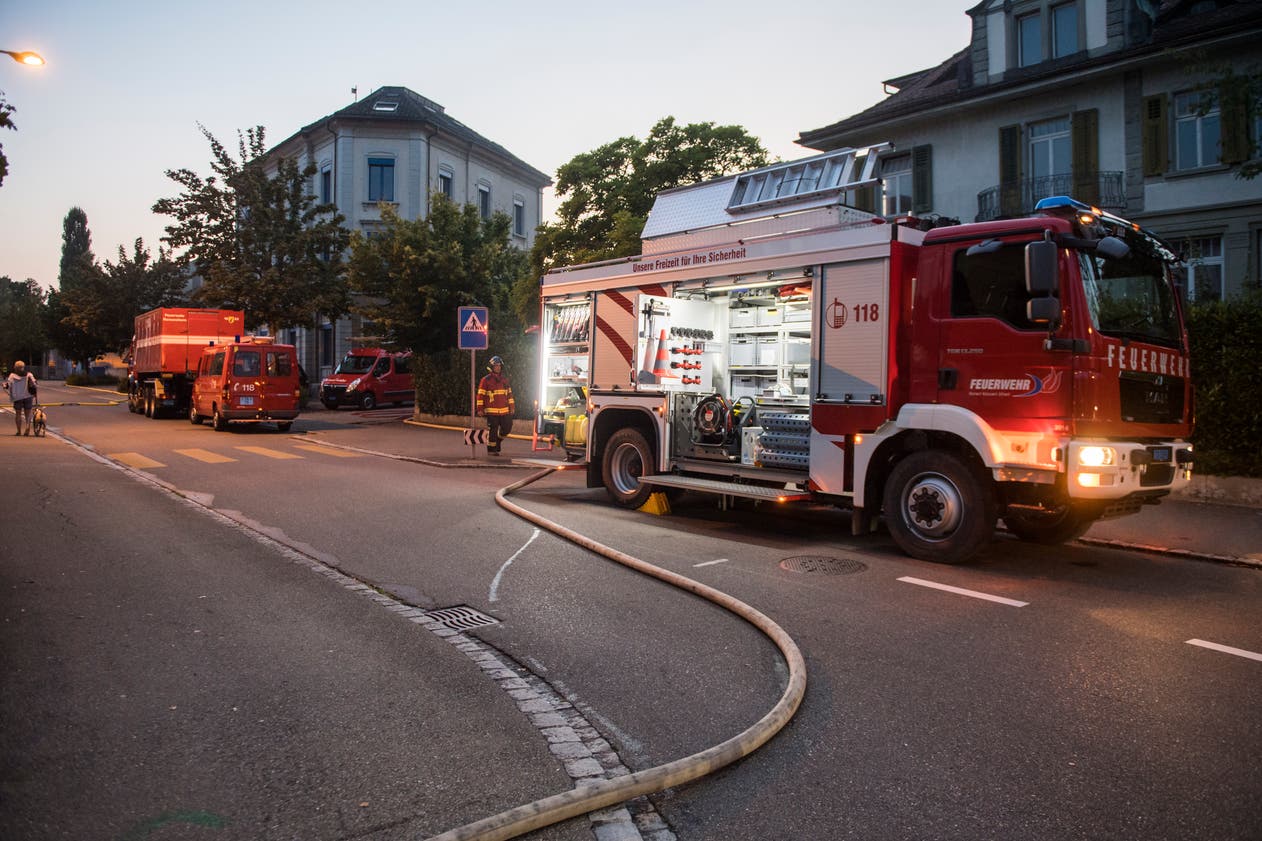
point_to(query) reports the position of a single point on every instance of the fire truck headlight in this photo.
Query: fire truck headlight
(1097, 456)
(354, 385)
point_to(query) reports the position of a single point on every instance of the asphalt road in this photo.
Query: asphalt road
(1058, 697)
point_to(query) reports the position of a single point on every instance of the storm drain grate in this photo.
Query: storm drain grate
(461, 618)
(822, 565)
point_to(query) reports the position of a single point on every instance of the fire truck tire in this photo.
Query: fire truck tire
(368, 402)
(938, 508)
(150, 411)
(1069, 523)
(284, 426)
(218, 421)
(627, 457)
(193, 417)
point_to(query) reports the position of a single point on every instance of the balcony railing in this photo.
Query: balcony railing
(1101, 189)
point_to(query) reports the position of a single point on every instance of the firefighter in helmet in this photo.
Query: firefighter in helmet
(495, 401)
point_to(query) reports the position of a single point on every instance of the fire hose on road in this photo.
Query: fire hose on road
(588, 798)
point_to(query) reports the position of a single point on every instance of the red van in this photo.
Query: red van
(367, 377)
(251, 381)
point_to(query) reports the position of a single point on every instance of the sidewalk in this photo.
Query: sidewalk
(1216, 519)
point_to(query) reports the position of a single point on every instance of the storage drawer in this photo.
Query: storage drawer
(796, 351)
(742, 317)
(796, 315)
(769, 352)
(770, 316)
(744, 351)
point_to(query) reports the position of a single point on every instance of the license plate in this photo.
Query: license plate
(247, 401)
(1160, 453)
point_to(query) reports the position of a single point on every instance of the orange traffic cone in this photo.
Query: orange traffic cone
(661, 368)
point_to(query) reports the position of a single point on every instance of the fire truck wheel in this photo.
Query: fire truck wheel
(938, 508)
(218, 421)
(193, 417)
(368, 401)
(1070, 522)
(150, 412)
(627, 458)
(284, 426)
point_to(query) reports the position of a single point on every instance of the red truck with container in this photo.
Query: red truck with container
(166, 349)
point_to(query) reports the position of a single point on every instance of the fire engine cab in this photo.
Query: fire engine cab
(772, 342)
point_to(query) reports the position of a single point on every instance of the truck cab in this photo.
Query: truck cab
(368, 377)
(252, 381)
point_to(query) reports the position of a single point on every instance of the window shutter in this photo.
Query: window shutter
(1156, 137)
(1010, 170)
(1235, 121)
(922, 179)
(1086, 155)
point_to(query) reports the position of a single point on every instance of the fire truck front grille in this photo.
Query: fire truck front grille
(1151, 398)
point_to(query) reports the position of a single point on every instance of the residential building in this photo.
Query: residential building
(1110, 101)
(397, 148)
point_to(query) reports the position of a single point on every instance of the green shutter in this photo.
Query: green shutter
(922, 179)
(1086, 155)
(1010, 171)
(1234, 111)
(1156, 136)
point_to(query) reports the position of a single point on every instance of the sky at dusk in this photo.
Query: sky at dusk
(128, 82)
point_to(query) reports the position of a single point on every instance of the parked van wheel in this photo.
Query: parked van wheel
(285, 426)
(368, 401)
(193, 417)
(938, 508)
(627, 457)
(218, 421)
(331, 405)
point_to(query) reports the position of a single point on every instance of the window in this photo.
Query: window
(1029, 40)
(326, 344)
(1064, 30)
(897, 178)
(326, 184)
(484, 201)
(1197, 132)
(519, 217)
(216, 364)
(278, 364)
(246, 363)
(445, 180)
(1051, 155)
(1204, 257)
(991, 286)
(381, 179)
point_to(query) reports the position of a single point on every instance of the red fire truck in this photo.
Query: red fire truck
(773, 343)
(166, 349)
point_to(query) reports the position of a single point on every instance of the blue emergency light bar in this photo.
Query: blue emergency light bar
(1088, 214)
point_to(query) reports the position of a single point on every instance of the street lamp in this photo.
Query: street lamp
(25, 57)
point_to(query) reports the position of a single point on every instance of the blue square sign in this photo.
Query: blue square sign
(472, 325)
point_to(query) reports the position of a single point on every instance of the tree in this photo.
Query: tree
(5, 122)
(411, 278)
(78, 271)
(261, 244)
(611, 190)
(21, 321)
(106, 306)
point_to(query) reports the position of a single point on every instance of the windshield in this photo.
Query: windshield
(1131, 297)
(355, 364)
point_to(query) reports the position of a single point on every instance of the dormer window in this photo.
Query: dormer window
(1045, 30)
(1064, 30)
(1029, 39)
(389, 105)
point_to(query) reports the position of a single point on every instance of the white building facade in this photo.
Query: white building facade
(1102, 100)
(398, 148)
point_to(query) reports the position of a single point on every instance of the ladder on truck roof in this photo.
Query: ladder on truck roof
(809, 183)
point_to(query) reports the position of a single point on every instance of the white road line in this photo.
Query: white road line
(962, 592)
(711, 563)
(493, 596)
(1227, 649)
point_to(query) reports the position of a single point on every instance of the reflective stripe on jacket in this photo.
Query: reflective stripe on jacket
(495, 395)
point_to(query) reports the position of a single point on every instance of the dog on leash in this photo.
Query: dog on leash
(39, 422)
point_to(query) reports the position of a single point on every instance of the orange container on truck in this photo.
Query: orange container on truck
(166, 348)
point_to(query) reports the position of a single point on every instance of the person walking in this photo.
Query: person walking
(21, 387)
(495, 401)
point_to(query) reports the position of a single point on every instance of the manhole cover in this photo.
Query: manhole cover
(822, 565)
(461, 618)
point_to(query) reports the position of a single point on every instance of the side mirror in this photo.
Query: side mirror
(1042, 268)
(1043, 311)
(1112, 248)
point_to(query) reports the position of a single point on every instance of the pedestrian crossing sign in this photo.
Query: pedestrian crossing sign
(472, 324)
